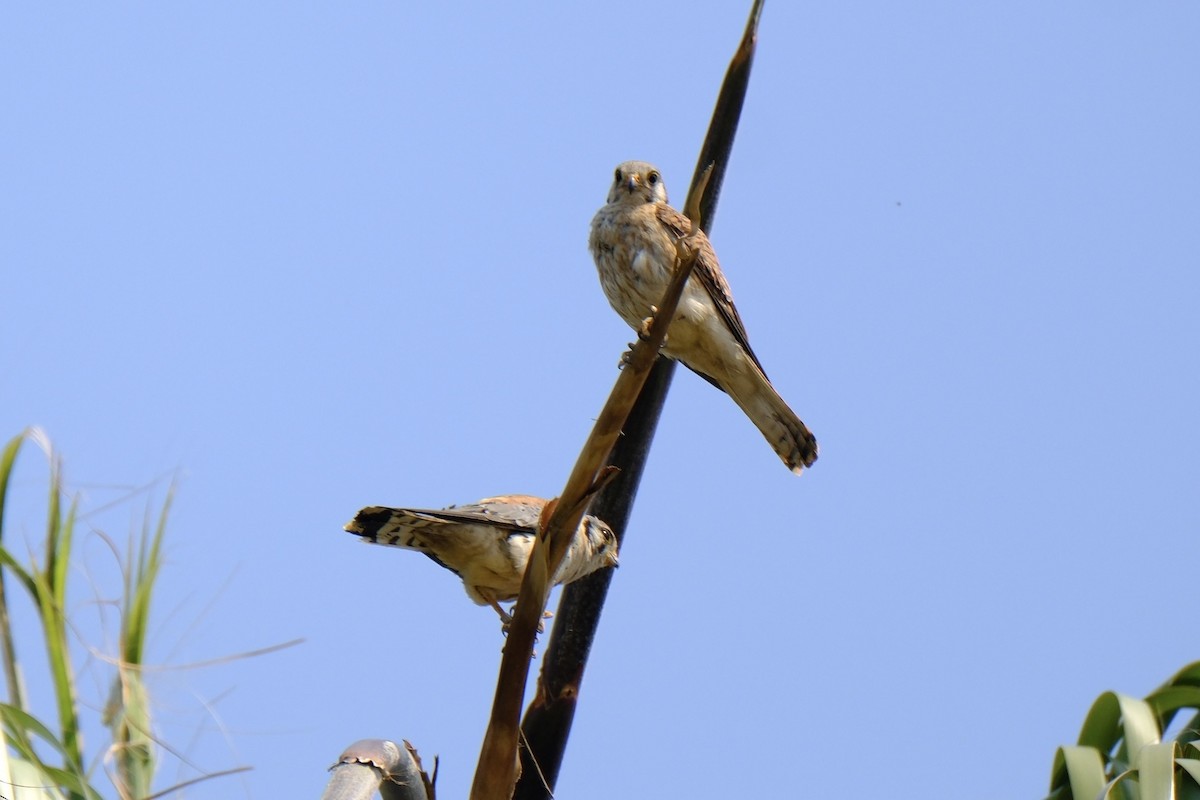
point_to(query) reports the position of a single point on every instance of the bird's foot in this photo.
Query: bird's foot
(644, 330)
(627, 356)
(506, 618)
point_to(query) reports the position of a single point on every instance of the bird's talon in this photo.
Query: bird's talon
(506, 619)
(644, 329)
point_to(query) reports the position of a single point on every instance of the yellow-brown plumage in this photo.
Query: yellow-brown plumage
(633, 243)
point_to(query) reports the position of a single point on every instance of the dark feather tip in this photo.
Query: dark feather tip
(368, 522)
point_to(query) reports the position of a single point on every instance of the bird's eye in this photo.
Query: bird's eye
(618, 175)
(652, 178)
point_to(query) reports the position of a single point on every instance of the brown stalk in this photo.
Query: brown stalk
(499, 766)
(547, 723)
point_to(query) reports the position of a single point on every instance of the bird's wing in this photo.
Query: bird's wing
(519, 512)
(457, 538)
(708, 272)
(514, 513)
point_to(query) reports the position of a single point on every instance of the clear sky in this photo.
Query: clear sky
(305, 259)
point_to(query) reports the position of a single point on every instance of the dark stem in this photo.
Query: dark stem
(547, 723)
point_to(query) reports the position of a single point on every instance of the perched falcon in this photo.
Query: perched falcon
(633, 242)
(487, 544)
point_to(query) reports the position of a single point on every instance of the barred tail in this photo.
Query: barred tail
(788, 436)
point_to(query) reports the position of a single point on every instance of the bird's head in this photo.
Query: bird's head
(603, 541)
(636, 182)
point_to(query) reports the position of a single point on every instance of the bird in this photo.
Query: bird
(487, 543)
(633, 240)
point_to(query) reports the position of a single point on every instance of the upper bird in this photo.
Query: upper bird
(487, 544)
(633, 242)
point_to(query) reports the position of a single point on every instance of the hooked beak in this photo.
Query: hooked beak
(633, 182)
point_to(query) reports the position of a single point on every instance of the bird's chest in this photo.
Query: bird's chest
(496, 561)
(635, 259)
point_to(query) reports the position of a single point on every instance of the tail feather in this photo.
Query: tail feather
(787, 434)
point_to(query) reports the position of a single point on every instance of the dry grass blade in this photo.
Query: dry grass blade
(498, 766)
(547, 722)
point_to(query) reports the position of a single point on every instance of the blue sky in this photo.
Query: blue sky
(308, 258)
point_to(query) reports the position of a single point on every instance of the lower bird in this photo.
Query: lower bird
(487, 544)
(633, 242)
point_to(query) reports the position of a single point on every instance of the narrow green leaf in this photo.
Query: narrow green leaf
(48, 586)
(133, 751)
(7, 459)
(129, 711)
(20, 719)
(54, 514)
(1156, 771)
(1188, 676)
(71, 779)
(35, 780)
(143, 579)
(1111, 788)
(7, 560)
(1085, 770)
(128, 715)
(58, 659)
(1191, 766)
(1140, 724)
(1101, 725)
(1170, 699)
(8, 648)
(74, 783)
